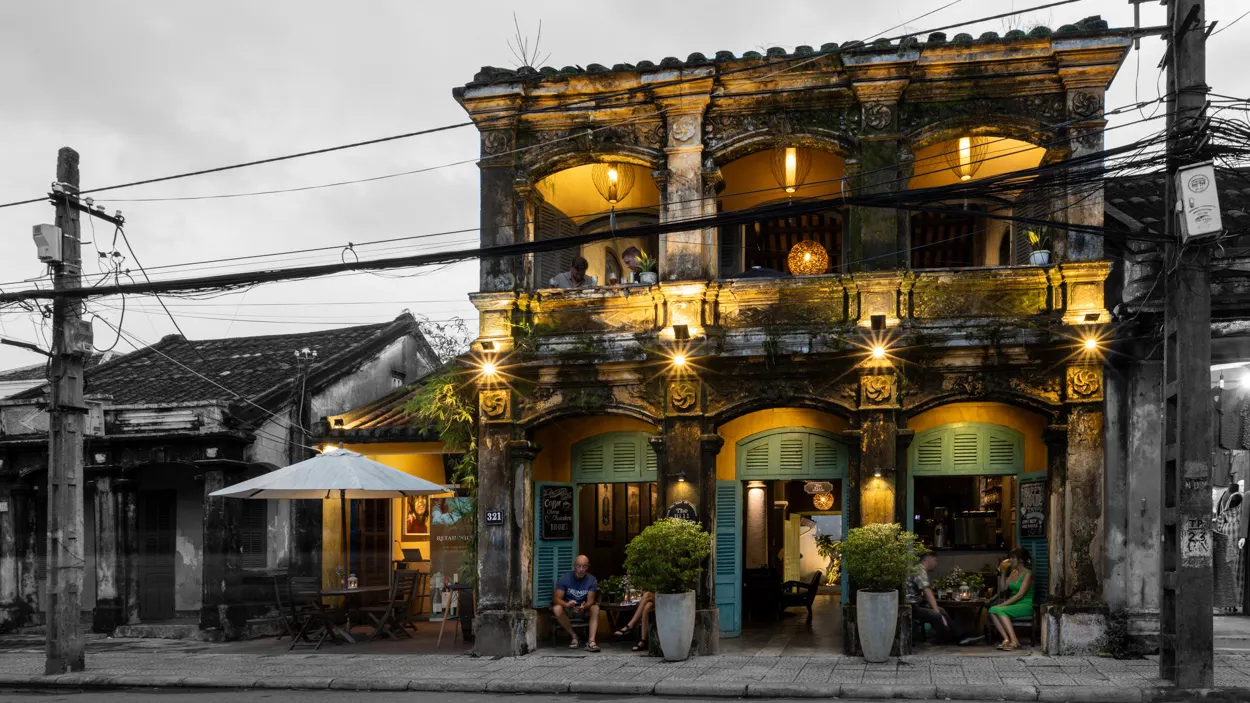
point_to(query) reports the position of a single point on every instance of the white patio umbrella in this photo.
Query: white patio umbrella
(336, 473)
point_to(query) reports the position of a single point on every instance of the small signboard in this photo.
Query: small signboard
(1032, 510)
(557, 507)
(494, 517)
(683, 509)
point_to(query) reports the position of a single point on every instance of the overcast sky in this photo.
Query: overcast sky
(144, 89)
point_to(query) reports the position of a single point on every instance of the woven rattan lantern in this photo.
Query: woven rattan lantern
(823, 501)
(790, 167)
(966, 154)
(613, 181)
(808, 258)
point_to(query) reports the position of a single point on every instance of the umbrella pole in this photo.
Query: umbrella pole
(343, 516)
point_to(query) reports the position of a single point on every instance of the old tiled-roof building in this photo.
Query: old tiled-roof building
(167, 425)
(898, 357)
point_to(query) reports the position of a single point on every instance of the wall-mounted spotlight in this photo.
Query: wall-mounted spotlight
(878, 351)
(681, 333)
(876, 473)
(681, 477)
(679, 360)
(488, 346)
(1091, 343)
(489, 370)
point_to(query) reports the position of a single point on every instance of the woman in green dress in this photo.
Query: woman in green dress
(1019, 603)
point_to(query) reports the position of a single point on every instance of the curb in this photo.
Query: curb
(668, 687)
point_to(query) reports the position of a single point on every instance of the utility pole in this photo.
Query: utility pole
(1186, 615)
(67, 411)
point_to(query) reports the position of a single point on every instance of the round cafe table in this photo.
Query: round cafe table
(351, 597)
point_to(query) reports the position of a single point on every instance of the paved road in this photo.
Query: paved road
(191, 696)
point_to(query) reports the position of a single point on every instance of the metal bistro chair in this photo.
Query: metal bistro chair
(391, 619)
(304, 597)
(800, 594)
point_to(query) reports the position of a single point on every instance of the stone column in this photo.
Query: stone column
(127, 489)
(878, 236)
(222, 553)
(110, 572)
(26, 501)
(879, 445)
(12, 614)
(500, 212)
(687, 194)
(1056, 438)
(506, 624)
(1084, 203)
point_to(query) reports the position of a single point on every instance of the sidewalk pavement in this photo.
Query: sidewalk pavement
(141, 663)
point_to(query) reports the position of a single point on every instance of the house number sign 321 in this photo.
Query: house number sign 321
(494, 517)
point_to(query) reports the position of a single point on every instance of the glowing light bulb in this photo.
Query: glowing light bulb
(488, 369)
(1091, 344)
(876, 473)
(807, 256)
(965, 157)
(792, 168)
(679, 360)
(612, 175)
(878, 352)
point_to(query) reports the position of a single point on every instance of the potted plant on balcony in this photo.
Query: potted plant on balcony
(1040, 256)
(648, 270)
(878, 560)
(667, 559)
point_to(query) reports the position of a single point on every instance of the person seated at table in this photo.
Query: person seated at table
(575, 593)
(924, 607)
(1018, 599)
(576, 276)
(645, 605)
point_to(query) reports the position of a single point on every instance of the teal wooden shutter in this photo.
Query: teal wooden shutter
(965, 449)
(927, 452)
(729, 557)
(1037, 546)
(590, 461)
(825, 457)
(650, 465)
(790, 455)
(552, 558)
(1004, 449)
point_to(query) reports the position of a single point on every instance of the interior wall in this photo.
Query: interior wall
(931, 170)
(595, 254)
(573, 192)
(742, 427)
(1027, 423)
(556, 439)
(749, 181)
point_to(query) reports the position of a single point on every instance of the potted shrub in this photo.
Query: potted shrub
(1040, 256)
(667, 559)
(878, 560)
(648, 270)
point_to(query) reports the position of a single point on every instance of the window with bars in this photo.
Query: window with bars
(252, 534)
(767, 242)
(946, 240)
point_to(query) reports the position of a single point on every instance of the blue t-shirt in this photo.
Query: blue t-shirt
(577, 589)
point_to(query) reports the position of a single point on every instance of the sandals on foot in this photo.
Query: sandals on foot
(592, 647)
(624, 631)
(574, 644)
(641, 646)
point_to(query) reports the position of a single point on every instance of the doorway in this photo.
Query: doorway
(157, 538)
(370, 557)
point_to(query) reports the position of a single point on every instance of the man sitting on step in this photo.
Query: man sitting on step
(575, 594)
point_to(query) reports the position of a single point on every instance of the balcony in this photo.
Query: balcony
(809, 314)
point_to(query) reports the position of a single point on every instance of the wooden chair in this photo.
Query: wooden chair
(796, 594)
(288, 617)
(303, 595)
(392, 618)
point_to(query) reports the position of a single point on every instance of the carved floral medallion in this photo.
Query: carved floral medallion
(494, 403)
(878, 390)
(1084, 383)
(682, 394)
(878, 115)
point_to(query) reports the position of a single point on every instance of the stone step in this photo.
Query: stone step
(161, 631)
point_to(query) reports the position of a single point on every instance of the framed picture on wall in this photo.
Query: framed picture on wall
(416, 516)
(605, 525)
(633, 509)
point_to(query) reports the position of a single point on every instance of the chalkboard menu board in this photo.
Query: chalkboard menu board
(557, 509)
(1032, 510)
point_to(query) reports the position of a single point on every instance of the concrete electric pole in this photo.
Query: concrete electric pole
(1186, 615)
(67, 414)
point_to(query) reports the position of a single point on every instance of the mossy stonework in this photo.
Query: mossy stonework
(874, 342)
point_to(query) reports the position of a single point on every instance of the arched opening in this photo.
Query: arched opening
(968, 232)
(759, 179)
(568, 202)
(780, 497)
(976, 487)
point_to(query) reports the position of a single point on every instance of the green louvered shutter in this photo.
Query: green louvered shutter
(729, 557)
(626, 455)
(825, 458)
(966, 449)
(756, 462)
(1004, 450)
(790, 455)
(590, 461)
(552, 558)
(929, 452)
(650, 465)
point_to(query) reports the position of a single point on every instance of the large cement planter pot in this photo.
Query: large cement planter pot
(876, 616)
(674, 618)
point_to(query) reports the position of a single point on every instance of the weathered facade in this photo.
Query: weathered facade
(918, 351)
(168, 425)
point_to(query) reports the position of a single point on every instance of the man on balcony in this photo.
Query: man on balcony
(576, 276)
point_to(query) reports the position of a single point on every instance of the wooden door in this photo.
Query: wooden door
(371, 537)
(156, 554)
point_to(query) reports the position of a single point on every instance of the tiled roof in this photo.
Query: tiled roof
(386, 418)
(1140, 199)
(175, 370)
(1088, 26)
(36, 372)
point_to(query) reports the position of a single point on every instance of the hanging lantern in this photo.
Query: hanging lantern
(966, 154)
(790, 167)
(808, 258)
(823, 501)
(613, 181)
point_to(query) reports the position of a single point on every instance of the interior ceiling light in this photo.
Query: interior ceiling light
(966, 154)
(808, 258)
(791, 165)
(823, 501)
(613, 181)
